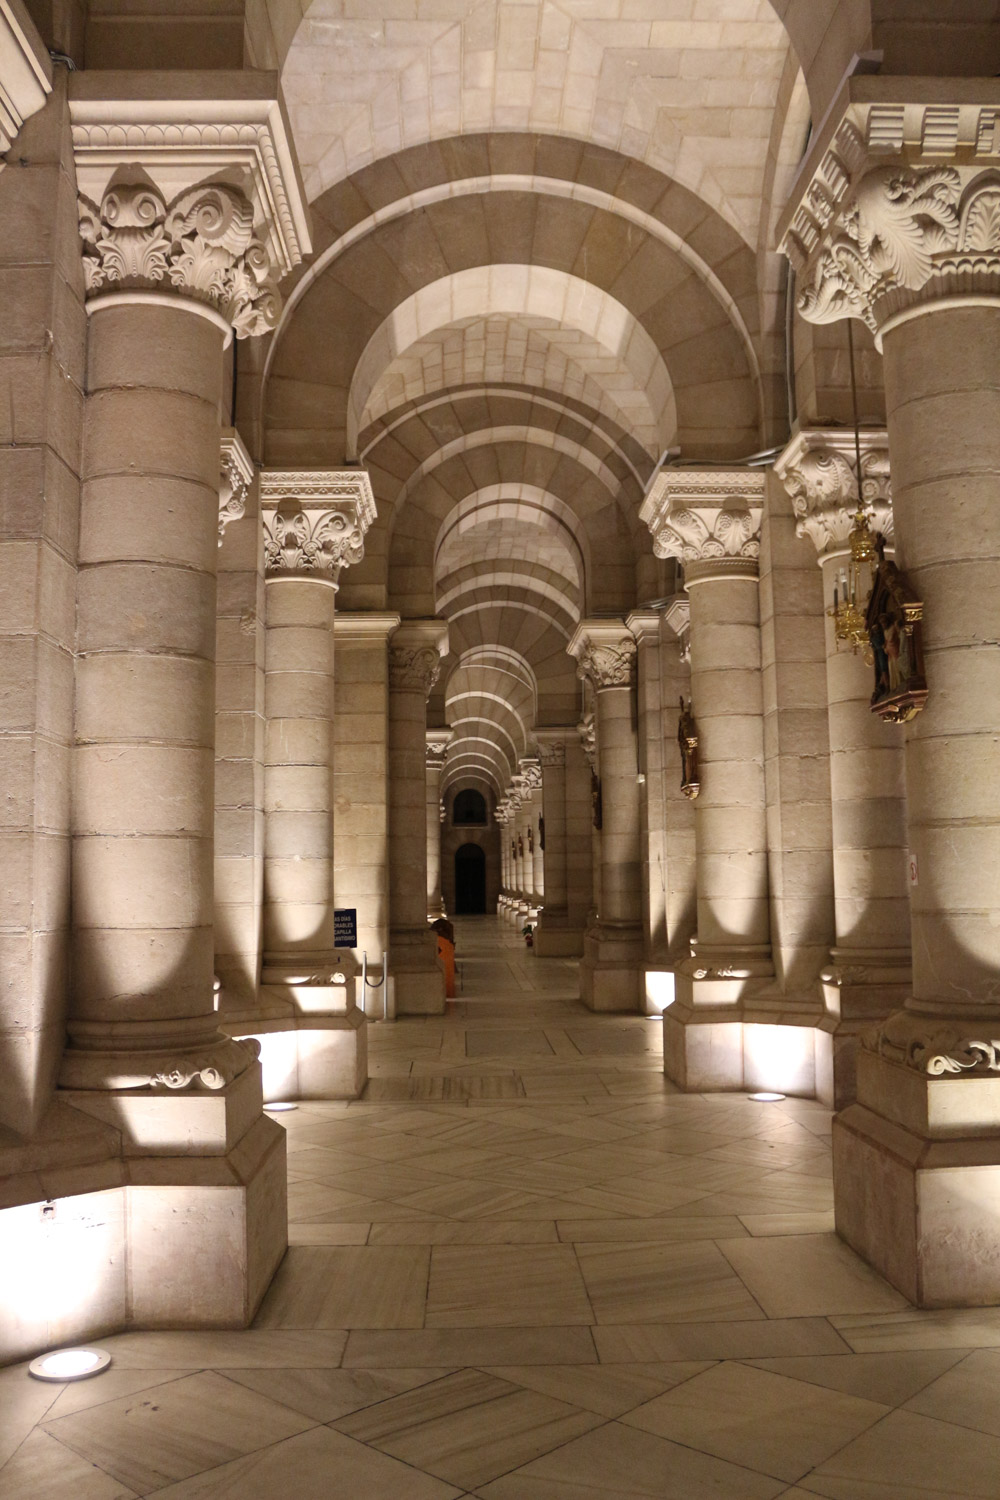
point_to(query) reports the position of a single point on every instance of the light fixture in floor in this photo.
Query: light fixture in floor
(70, 1364)
(279, 1109)
(766, 1098)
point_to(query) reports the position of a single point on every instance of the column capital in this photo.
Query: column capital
(194, 196)
(587, 730)
(27, 71)
(552, 746)
(415, 653)
(437, 743)
(235, 477)
(817, 470)
(314, 521)
(605, 652)
(530, 773)
(709, 519)
(896, 204)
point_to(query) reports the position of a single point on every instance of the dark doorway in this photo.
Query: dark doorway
(470, 881)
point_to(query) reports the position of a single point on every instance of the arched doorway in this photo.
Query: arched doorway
(470, 881)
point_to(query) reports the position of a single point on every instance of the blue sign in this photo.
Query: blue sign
(345, 928)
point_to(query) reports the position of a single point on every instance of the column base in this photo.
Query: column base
(555, 938)
(861, 987)
(116, 1244)
(418, 977)
(611, 973)
(310, 1056)
(759, 1045)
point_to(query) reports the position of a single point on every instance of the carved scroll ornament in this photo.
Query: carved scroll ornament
(201, 245)
(414, 668)
(312, 542)
(936, 1050)
(899, 230)
(609, 666)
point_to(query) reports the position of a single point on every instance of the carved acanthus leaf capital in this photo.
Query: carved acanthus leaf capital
(530, 774)
(706, 517)
(436, 748)
(314, 520)
(587, 730)
(201, 245)
(605, 666)
(235, 478)
(413, 668)
(817, 470)
(552, 752)
(901, 204)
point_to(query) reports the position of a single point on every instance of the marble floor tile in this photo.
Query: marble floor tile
(372, 1349)
(465, 1232)
(623, 1463)
(910, 1455)
(325, 1395)
(813, 1275)
(112, 1385)
(663, 1283)
(382, 1180)
(888, 1378)
(495, 1042)
(352, 1287)
(156, 1437)
(303, 1469)
(608, 1390)
(954, 1328)
(767, 1337)
(647, 1231)
(752, 1417)
(329, 1234)
(23, 1403)
(968, 1394)
(262, 1348)
(42, 1468)
(468, 1427)
(500, 1287)
(792, 1223)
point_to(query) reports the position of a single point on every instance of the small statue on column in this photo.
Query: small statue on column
(687, 739)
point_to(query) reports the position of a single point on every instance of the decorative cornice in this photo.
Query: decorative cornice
(235, 478)
(314, 521)
(27, 71)
(413, 668)
(227, 126)
(817, 470)
(317, 488)
(709, 519)
(900, 201)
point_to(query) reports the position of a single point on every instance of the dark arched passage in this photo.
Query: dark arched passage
(470, 881)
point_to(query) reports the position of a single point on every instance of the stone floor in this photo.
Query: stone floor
(525, 1268)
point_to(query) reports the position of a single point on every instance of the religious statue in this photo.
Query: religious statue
(687, 739)
(596, 800)
(541, 834)
(893, 621)
(531, 841)
(520, 846)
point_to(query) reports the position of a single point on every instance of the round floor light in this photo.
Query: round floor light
(279, 1109)
(70, 1364)
(767, 1098)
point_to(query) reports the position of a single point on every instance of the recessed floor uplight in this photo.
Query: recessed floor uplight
(279, 1109)
(766, 1098)
(70, 1364)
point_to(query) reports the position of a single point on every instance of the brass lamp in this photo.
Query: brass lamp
(854, 587)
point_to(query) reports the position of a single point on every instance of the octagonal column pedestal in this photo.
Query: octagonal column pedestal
(710, 520)
(611, 974)
(555, 937)
(192, 1201)
(312, 1033)
(917, 1158)
(869, 973)
(437, 741)
(415, 653)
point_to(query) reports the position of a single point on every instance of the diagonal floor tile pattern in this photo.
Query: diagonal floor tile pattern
(524, 1267)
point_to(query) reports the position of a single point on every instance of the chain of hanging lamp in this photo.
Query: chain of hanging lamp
(853, 588)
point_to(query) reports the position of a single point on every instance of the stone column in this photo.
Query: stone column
(361, 782)
(437, 741)
(555, 936)
(869, 971)
(611, 972)
(530, 775)
(414, 663)
(710, 520)
(579, 837)
(314, 527)
(680, 858)
(204, 1220)
(907, 242)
